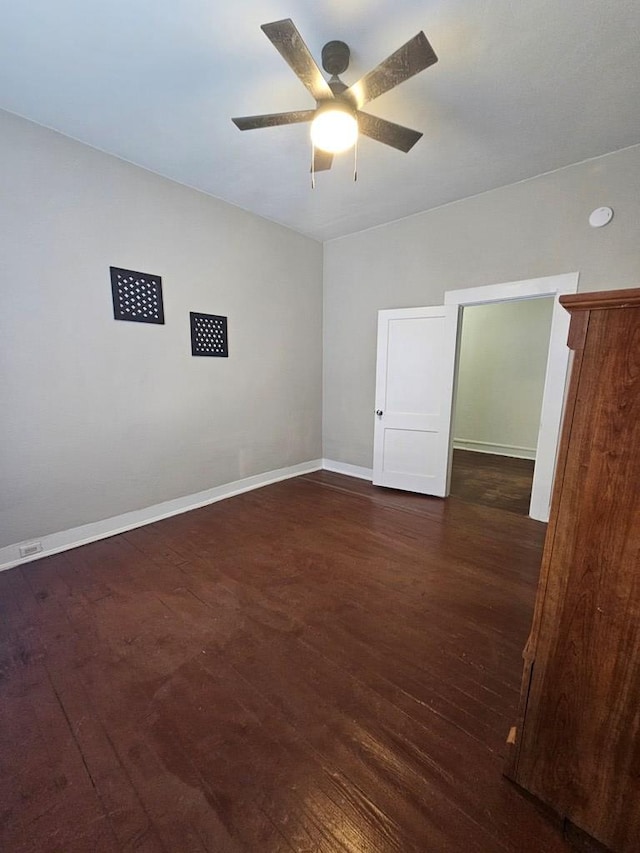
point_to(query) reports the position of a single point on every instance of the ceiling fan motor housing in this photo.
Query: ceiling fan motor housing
(335, 57)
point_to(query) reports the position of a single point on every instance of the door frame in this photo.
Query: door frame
(555, 376)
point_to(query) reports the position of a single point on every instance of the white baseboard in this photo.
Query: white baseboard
(497, 449)
(349, 470)
(54, 543)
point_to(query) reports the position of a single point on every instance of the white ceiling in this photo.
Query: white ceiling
(520, 88)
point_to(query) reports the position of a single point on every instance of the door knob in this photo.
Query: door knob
(379, 413)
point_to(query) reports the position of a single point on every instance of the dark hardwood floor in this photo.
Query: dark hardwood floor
(499, 481)
(319, 665)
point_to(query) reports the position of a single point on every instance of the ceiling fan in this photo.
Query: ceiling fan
(338, 115)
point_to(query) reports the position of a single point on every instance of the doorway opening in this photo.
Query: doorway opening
(415, 378)
(502, 360)
(555, 375)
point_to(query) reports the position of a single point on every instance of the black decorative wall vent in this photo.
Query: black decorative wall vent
(137, 296)
(209, 335)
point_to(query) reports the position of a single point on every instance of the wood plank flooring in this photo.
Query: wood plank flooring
(490, 480)
(318, 665)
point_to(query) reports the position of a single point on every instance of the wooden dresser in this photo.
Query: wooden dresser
(576, 743)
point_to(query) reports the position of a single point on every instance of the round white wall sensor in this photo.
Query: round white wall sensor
(600, 216)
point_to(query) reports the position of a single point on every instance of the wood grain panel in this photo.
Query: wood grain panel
(580, 745)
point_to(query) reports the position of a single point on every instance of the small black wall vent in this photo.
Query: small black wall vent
(137, 296)
(209, 335)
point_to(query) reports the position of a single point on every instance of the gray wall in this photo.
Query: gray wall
(102, 417)
(501, 370)
(526, 230)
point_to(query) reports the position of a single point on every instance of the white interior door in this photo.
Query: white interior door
(414, 397)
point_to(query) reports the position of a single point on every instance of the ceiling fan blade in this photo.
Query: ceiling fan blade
(413, 57)
(395, 135)
(322, 160)
(272, 120)
(286, 39)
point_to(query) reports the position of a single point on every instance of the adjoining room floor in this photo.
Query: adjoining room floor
(490, 480)
(318, 665)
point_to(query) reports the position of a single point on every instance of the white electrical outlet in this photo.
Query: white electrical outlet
(31, 548)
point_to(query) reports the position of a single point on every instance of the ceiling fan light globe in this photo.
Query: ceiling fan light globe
(334, 130)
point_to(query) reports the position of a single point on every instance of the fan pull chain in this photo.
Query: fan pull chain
(355, 161)
(313, 166)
